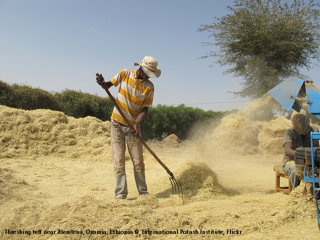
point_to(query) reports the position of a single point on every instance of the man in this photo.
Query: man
(134, 98)
(298, 136)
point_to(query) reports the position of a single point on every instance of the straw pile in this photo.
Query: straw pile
(271, 135)
(248, 132)
(237, 132)
(56, 174)
(171, 141)
(199, 181)
(45, 132)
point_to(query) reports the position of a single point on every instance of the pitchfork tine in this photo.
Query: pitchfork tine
(172, 185)
(180, 192)
(176, 186)
(180, 188)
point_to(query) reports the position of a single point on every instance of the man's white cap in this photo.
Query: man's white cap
(150, 67)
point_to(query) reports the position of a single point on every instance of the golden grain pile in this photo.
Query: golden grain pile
(45, 132)
(171, 141)
(198, 180)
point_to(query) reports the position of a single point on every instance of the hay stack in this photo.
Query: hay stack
(172, 141)
(43, 132)
(198, 182)
(249, 131)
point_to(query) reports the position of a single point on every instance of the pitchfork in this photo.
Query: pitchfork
(175, 185)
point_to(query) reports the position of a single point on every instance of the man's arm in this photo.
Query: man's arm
(139, 119)
(288, 150)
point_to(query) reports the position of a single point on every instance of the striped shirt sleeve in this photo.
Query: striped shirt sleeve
(116, 80)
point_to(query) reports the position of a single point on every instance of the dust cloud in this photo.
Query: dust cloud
(56, 175)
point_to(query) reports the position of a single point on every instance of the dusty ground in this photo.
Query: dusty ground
(228, 195)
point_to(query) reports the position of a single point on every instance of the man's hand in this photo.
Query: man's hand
(102, 83)
(139, 119)
(135, 130)
(100, 79)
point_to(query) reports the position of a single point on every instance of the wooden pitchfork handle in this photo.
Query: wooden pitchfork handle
(138, 135)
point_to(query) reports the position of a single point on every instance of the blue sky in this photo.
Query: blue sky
(61, 44)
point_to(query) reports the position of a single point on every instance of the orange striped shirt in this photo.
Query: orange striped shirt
(133, 95)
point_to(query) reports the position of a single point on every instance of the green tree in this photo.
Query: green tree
(265, 41)
(165, 120)
(25, 97)
(78, 104)
(6, 95)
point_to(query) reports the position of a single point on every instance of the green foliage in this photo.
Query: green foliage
(33, 98)
(25, 97)
(165, 120)
(6, 95)
(78, 104)
(264, 41)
